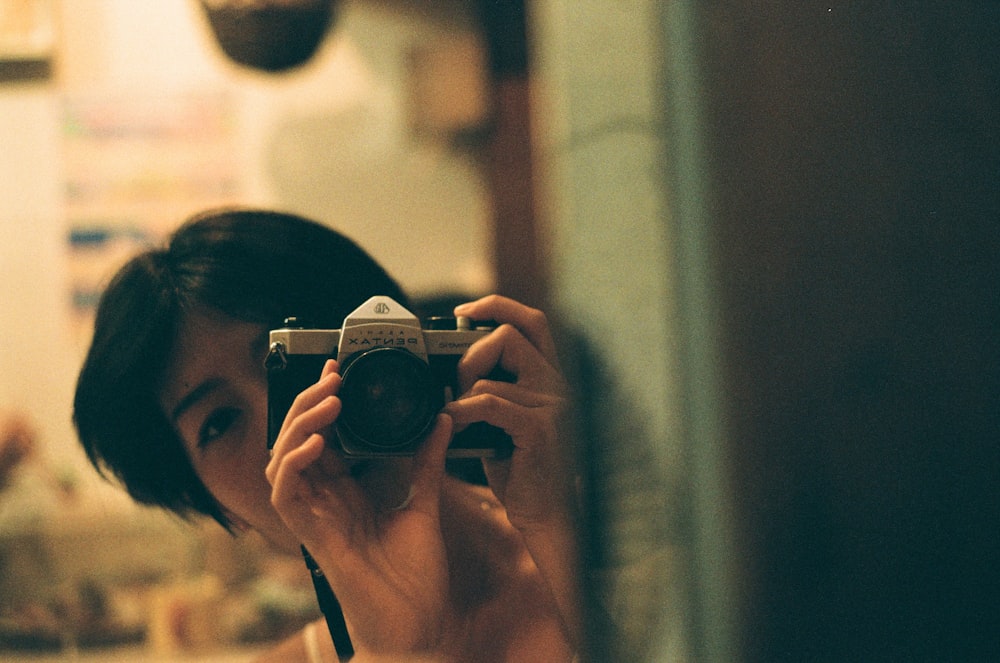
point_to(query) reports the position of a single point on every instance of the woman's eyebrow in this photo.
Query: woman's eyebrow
(193, 397)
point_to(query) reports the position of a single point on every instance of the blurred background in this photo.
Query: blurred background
(767, 232)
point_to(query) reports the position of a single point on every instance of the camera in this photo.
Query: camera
(397, 375)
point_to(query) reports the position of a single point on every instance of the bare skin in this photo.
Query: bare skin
(425, 567)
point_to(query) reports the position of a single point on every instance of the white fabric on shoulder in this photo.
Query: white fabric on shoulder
(312, 643)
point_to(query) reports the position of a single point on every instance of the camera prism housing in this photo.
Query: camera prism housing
(396, 377)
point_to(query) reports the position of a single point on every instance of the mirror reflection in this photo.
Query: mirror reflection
(164, 141)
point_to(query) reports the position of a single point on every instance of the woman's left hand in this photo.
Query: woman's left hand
(535, 483)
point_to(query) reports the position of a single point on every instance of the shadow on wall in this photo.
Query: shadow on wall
(634, 527)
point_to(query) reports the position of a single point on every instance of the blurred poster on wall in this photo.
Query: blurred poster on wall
(27, 39)
(135, 166)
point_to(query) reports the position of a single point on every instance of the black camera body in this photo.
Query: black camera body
(397, 375)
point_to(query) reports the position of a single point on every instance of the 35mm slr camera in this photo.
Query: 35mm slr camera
(397, 375)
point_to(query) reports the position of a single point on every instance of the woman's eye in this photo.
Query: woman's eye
(216, 425)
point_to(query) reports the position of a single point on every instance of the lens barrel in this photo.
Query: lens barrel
(390, 399)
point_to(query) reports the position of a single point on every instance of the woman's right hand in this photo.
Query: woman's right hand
(386, 563)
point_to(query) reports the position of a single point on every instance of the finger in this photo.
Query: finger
(298, 425)
(428, 466)
(526, 425)
(517, 393)
(313, 482)
(532, 322)
(497, 472)
(297, 460)
(507, 348)
(331, 366)
(487, 400)
(328, 384)
(299, 429)
(288, 486)
(312, 455)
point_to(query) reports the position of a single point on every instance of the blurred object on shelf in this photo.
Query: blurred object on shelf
(17, 444)
(83, 615)
(18, 449)
(185, 616)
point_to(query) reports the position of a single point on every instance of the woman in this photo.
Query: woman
(172, 401)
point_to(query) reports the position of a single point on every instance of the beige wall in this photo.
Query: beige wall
(332, 141)
(335, 141)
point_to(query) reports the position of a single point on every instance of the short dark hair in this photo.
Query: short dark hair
(252, 265)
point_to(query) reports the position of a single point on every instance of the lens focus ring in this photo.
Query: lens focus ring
(390, 399)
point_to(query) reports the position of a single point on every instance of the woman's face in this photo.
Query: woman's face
(215, 395)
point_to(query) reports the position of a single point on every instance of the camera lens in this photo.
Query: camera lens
(389, 399)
